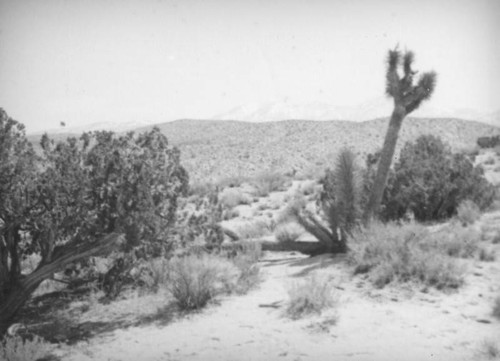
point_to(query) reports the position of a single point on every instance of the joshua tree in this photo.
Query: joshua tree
(340, 207)
(407, 97)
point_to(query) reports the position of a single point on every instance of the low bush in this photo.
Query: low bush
(488, 142)
(312, 295)
(489, 161)
(496, 308)
(288, 232)
(468, 212)
(402, 253)
(231, 182)
(15, 348)
(231, 197)
(254, 229)
(487, 255)
(230, 214)
(454, 241)
(195, 280)
(200, 189)
(246, 262)
(267, 182)
(154, 274)
(308, 188)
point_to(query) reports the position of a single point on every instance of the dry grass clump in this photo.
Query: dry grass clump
(195, 280)
(308, 188)
(233, 181)
(155, 273)
(402, 253)
(246, 262)
(496, 238)
(231, 197)
(312, 295)
(267, 182)
(14, 348)
(254, 229)
(468, 212)
(200, 189)
(228, 214)
(288, 232)
(496, 308)
(455, 241)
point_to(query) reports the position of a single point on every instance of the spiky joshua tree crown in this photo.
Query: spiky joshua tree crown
(402, 89)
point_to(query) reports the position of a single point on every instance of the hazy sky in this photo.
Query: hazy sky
(96, 60)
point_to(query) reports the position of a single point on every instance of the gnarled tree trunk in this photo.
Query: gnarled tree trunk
(20, 290)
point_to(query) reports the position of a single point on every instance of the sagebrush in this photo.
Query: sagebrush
(402, 253)
(15, 348)
(312, 295)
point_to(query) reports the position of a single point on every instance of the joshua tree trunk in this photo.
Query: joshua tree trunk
(386, 156)
(407, 98)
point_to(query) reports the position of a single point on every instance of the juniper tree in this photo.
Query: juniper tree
(407, 97)
(79, 198)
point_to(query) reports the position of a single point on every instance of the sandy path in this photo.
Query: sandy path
(388, 324)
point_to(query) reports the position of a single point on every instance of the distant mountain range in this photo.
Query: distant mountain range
(375, 108)
(288, 110)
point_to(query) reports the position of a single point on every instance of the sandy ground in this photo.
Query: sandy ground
(395, 323)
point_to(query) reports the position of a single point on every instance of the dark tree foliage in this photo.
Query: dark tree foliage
(430, 181)
(488, 142)
(77, 199)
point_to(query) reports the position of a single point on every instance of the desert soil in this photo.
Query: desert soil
(395, 323)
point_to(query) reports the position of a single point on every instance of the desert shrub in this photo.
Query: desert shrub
(454, 241)
(79, 198)
(267, 182)
(308, 188)
(468, 212)
(496, 308)
(195, 280)
(250, 250)
(312, 295)
(288, 232)
(253, 229)
(401, 253)
(489, 161)
(228, 214)
(200, 189)
(231, 198)
(15, 348)
(487, 255)
(231, 182)
(431, 181)
(496, 238)
(488, 142)
(154, 274)
(246, 261)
